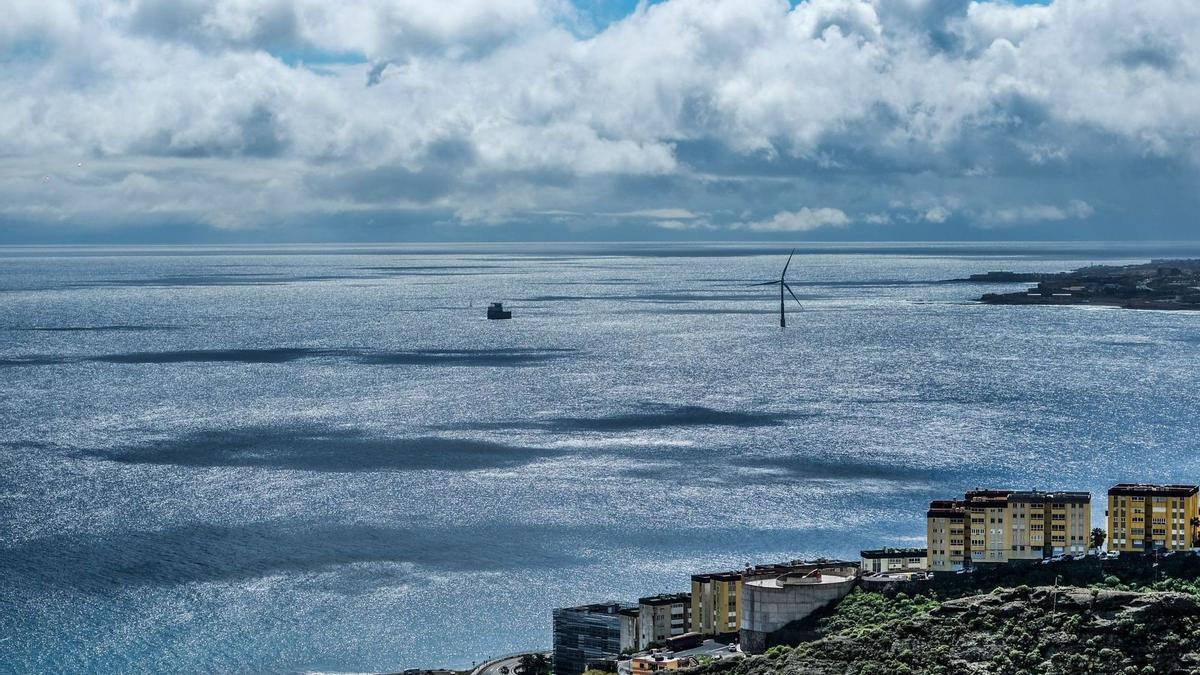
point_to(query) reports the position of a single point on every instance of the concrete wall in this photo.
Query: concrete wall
(769, 606)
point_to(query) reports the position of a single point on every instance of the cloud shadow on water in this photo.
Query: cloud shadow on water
(652, 417)
(277, 355)
(101, 329)
(319, 448)
(203, 552)
(463, 357)
(418, 357)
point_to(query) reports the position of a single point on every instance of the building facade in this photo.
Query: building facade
(1145, 517)
(716, 603)
(945, 527)
(885, 560)
(591, 633)
(998, 526)
(1044, 524)
(663, 616)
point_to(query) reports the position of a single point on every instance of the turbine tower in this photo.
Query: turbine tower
(782, 286)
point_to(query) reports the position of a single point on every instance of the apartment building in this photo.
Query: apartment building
(987, 512)
(998, 526)
(1144, 517)
(897, 560)
(1043, 524)
(946, 526)
(716, 603)
(663, 616)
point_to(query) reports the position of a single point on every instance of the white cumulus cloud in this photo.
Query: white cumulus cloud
(803, 220)
(251, 113)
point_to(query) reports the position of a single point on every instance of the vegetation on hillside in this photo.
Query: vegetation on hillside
(1020, 630)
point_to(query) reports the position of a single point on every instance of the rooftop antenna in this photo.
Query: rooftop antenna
(783, 285)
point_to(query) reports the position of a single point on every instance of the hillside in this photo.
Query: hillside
(1020, 630)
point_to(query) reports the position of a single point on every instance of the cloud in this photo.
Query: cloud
(683, 225)
(675, 214)
(937, 214)
(804, 220)
(254, 115)
(1075, 209)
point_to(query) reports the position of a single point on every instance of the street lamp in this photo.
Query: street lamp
(1054, 602)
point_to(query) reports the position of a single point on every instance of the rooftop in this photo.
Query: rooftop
(893, 553)
(945, 507)
(800, 580)
(1148, 489)
(1052, 496)
(666, 599)
(772, 568)
(612, 607)
(717, 576)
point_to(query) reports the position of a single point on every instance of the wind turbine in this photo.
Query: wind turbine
(783, 285)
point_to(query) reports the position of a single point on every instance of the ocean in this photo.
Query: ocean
(282, 459)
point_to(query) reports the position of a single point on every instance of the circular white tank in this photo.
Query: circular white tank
(770, 605)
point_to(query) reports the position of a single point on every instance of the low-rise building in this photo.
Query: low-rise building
(591, 632)
(663, 616)
(653, 663)
(1143, 517)
(884, 560)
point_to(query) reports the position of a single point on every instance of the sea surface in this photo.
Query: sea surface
(315, 458)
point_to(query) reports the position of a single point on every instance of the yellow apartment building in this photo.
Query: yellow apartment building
(716, 603)
(945, 534)
(1146, 517)
(997, 526)
(1043, 524)
(988, 513)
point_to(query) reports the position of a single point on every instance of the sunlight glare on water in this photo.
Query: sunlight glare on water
(258, 459)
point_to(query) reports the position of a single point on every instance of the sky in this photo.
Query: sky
(147, 121)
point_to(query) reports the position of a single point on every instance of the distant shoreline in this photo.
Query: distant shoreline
(1158, 284)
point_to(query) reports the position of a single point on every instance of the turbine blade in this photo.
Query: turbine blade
(789, 262)
(793, 295)
(765, 283)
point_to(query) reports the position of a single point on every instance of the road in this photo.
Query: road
(497, 666)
